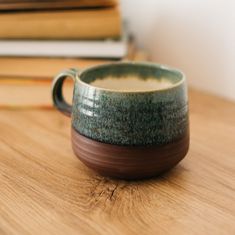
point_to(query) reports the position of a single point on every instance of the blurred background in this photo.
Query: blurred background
(40, 38)
(197, 36)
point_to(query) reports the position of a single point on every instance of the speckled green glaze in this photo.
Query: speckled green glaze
(130, 118)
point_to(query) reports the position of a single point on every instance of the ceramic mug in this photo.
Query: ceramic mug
(126, 134)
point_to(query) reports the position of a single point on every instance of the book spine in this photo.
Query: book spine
(74, 24)
(52, 4)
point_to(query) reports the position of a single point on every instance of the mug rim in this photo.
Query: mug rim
(156, 65)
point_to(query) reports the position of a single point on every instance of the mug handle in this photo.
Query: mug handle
(57, 94)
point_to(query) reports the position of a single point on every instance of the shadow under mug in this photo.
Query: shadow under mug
(126, 134)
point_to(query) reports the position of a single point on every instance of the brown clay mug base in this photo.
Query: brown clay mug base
(129, 162)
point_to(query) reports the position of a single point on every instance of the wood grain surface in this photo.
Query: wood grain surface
(46, 190)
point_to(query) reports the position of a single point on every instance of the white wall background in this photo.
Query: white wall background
(197, 36)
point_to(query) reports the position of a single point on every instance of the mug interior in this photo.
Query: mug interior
(131, 77)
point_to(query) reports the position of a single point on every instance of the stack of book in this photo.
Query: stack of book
(40, 38)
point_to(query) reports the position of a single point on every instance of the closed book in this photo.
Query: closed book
(46, 68)
(26, 82)
(64, 48)
(18, 68)
(20, 93)
(53, 4)
(97, 23)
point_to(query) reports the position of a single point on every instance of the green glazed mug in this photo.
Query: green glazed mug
(127, 133)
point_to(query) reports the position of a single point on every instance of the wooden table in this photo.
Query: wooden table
(46, 190)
